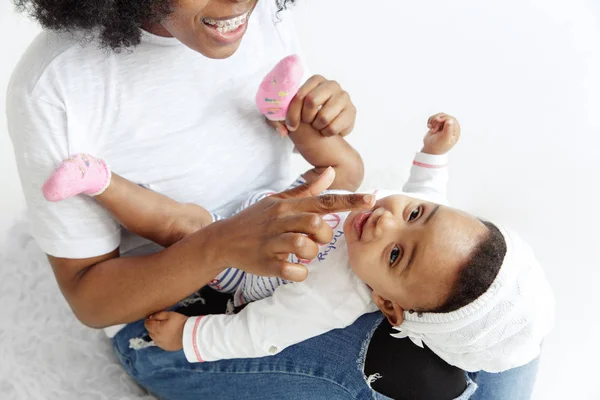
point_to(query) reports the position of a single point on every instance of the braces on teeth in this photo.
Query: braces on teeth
(229, 25)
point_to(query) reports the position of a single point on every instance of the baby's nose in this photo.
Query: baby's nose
(386, 223)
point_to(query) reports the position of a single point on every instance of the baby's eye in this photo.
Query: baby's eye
(395, 254)
(414, 214)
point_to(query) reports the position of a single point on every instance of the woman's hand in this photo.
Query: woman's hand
(324, 105)
(259, 239)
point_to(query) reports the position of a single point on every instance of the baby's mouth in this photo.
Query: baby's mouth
(359, 223)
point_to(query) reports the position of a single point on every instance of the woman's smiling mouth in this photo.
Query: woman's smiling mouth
(227, 30)
(227, 25)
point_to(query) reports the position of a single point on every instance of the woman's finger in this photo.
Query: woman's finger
(313, 188)
(307, 223)
(296, 243)
(293, 272)
(304, 198)
(317, 98)
(332, 203)
(330, 111)
(294, 114)
(347, 130)
(340, 124)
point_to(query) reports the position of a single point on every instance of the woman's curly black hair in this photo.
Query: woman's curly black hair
(117, 22)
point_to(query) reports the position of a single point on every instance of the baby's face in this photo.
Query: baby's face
(410, 251)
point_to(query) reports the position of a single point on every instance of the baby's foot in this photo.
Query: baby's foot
(80, 174)
(279, 88)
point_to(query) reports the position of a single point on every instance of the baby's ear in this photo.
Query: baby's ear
(392, 311)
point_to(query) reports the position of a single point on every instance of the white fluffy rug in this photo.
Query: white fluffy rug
(45, 353)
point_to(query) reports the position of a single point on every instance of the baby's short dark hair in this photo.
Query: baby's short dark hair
(480, 270)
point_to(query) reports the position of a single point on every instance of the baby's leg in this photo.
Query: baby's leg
(152, 215)
(141, 211)
(255, 288)
(227, 281)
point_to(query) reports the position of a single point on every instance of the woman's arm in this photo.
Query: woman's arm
(325, 151)
(109, 290)
(151, 215)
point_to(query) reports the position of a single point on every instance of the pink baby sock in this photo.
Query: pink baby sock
(279, 87)
(80, 174)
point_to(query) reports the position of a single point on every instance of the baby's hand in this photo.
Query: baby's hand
(443, 134)
(166, 329)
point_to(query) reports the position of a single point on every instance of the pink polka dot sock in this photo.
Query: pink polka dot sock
(279, 87)
(80, 174)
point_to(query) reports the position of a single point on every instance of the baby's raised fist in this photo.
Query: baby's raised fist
(443, 134)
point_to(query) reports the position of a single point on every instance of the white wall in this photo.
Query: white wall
(522, 77)
(16, 32)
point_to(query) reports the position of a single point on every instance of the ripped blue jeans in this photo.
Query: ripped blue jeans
(326, 367)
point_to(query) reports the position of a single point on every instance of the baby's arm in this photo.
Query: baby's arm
(152, 215)
(334, 151)
(429, 172)
(262, 328)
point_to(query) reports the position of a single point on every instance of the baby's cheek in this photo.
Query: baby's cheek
(355, 262)
(432, 293)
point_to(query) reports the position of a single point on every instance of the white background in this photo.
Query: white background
(522, 76)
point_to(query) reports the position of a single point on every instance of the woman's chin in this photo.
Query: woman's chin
(215, 52)
(221, 54)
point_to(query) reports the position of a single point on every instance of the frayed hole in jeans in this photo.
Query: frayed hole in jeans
(139, 343)
(194, 298)
(363, 352)
(372, 378)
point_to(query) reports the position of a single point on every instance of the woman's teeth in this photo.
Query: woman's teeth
(227, 25)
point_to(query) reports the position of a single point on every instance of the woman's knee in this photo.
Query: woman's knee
(514, 384)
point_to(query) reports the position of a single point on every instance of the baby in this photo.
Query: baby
(469, 290)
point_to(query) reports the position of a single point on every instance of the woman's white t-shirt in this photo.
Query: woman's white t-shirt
(161, 115)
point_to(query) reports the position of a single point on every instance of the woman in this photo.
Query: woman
(167, 100)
